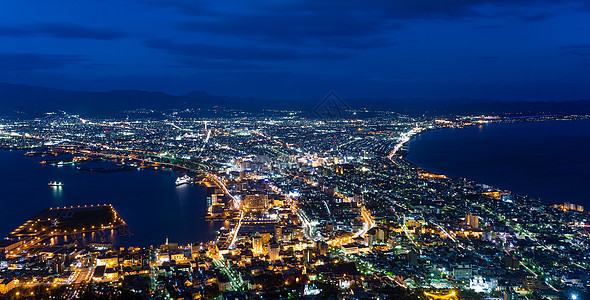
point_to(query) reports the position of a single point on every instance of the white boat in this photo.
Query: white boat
(183, 180)
(55, 183)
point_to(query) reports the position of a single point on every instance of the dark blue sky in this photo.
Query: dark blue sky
(496, 49)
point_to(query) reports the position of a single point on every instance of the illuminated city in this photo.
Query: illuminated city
(295, 149)
(313, 207)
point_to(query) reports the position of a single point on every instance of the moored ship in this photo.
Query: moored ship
(55, 183)
(183, 180)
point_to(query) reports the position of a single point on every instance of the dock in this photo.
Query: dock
(70, 221)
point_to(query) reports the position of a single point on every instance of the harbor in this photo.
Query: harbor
(146, 198)
(70, 225)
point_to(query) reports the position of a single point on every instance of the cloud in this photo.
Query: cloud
(15, 32)
(186, 7)
(33, 61)
(488, 57)
(489, 27)
(320, 28)
(379, 11)
(578, 50)
(527, 14)
(423, 9)
(238, 53)
(353, 25)
(62, 30)
(537, 17)
(220, 65)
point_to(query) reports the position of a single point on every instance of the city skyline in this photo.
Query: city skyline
(290, 207)
(296, 149)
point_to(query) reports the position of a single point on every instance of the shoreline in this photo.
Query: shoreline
(120, 203)
(398, 153)
(404, 154)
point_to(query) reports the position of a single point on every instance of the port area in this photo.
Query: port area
(68, 224)
(84, 163)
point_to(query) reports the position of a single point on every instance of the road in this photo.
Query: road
(83, 275)
(405, 137)
(368, 220)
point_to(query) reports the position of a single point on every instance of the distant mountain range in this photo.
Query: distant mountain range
(31, 100)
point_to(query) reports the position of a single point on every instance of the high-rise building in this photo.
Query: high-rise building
(322, 248)
(462, 272)
(511, 263)
(278, 232)
(307, 255)
(472, 220)
(412, 258)
(381, 235)
(273, 251)
(257, 244)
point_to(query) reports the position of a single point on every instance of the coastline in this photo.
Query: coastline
(176, 204)
(403, 156)
(399, 152)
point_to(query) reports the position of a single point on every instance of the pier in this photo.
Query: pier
(72, 222)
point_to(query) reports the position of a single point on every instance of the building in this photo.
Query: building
(7, 284)
(108, 261)
(573, 207)
(380, 235)
(344, 169)
(322, 248)
(510, 294)
(216, 209)
(9, 245)
(257, 244)
(412, 258)
(278, 232)
(463, 272)
(480, 284)
(256, 202)
(472, 220)
(274, 251)
(511, 263)
(350, 249)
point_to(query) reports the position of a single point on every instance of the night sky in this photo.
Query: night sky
(501, 50)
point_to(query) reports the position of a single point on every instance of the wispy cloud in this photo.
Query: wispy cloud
(62, 30)
(577, 50)
(238, 53)
(202, 64)
(322, 28)
(186, 7)
(35, 61)
(488, 57)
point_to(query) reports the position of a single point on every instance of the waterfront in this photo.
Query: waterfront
(357, 213)
(146, 199)
(545, 160)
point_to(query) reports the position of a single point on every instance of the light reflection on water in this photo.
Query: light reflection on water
(545, 160)
(109, 236)
(57, 192)
(149, 201)
(183, 193)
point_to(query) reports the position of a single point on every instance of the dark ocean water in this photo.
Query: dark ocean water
(148, 200)
(545, 160)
